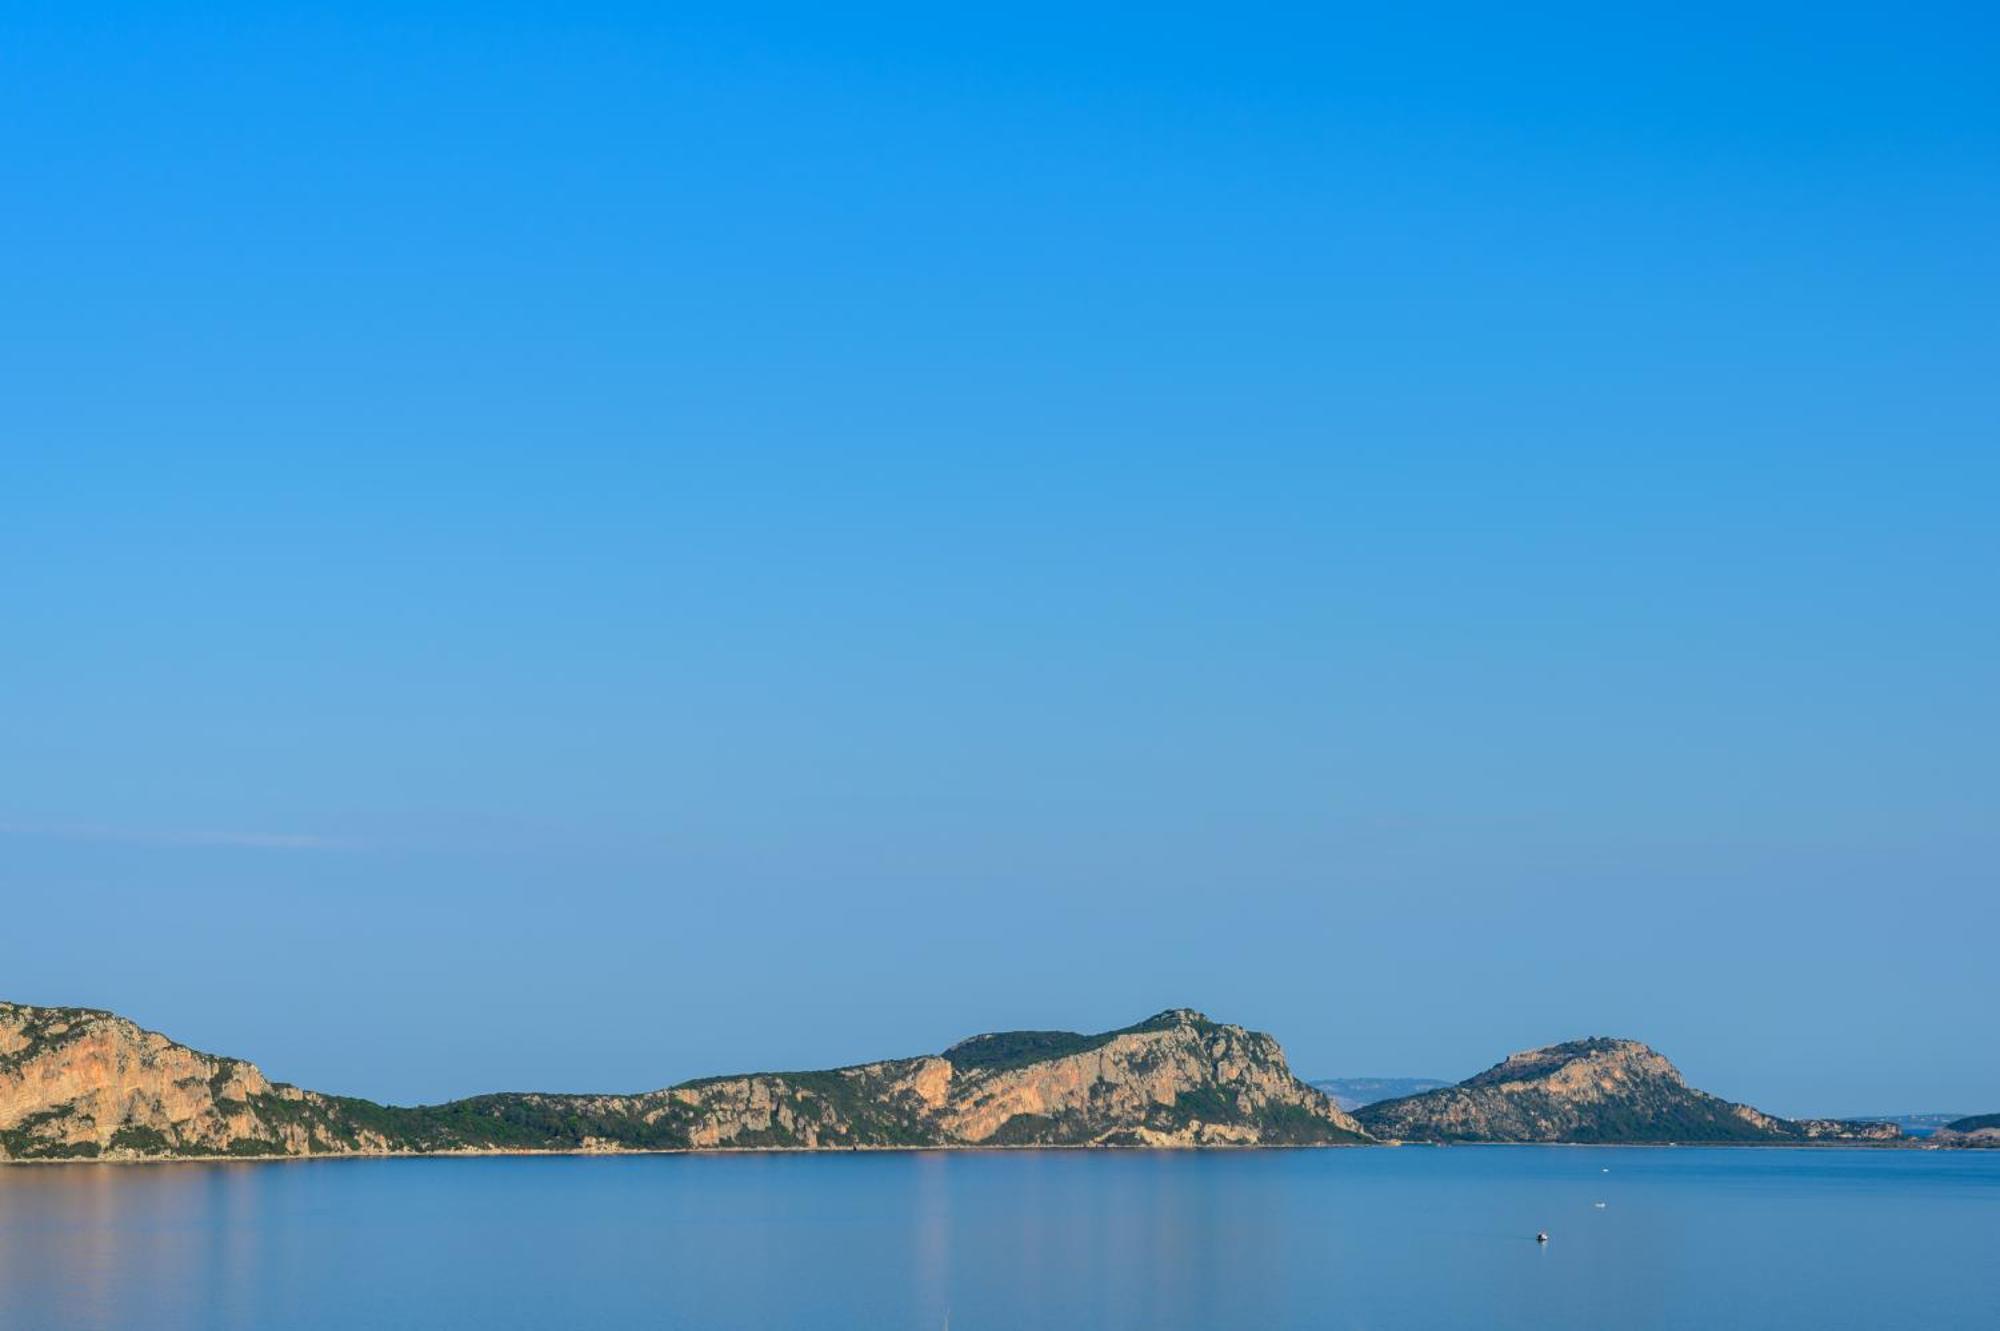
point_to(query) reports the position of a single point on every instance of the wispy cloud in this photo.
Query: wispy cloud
(183, 837)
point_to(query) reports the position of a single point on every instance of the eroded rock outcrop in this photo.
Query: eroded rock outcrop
(77, 1083)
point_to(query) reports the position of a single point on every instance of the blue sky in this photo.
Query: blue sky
(588, 547)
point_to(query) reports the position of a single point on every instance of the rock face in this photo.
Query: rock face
(1595, 1090)
(77, 1083)
(1178, 1079)
(1980, 1130)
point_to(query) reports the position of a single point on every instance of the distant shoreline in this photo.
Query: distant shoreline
(967, 1148)
(83, 1085)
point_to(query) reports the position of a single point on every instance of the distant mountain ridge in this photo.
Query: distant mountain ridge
(1593, 1090)
(1913, 1125)
(78, 1083)
(1351, 1093)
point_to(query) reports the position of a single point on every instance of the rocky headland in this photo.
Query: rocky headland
(76, 1083)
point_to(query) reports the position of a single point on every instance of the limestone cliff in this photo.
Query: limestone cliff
(1595, 1090)
(1179, 1079)
(78, 1083)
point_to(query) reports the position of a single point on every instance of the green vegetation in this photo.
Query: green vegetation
(1975, 1123)
(542, 1122)
(1006, 1051)
(1025, 1130)
(1276, 1124)
(1208, 1104)
(1295, 1125)
(146, 1141)
(46, 1150)
(255, 1146)
(22, 1142)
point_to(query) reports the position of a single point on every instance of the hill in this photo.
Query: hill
(1979, 1130)
(78, 1083)
(1593, 1090)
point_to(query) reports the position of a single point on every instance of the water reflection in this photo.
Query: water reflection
(1165, 1241)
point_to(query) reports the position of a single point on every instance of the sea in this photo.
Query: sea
(1391, 1237)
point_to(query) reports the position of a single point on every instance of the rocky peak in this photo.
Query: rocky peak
(1175, 1016)
(1589, 1090)
(1577, 1065)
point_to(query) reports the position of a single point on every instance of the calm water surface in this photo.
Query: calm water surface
(1165, 1241)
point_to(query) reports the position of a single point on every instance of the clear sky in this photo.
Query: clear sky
(584, 545)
